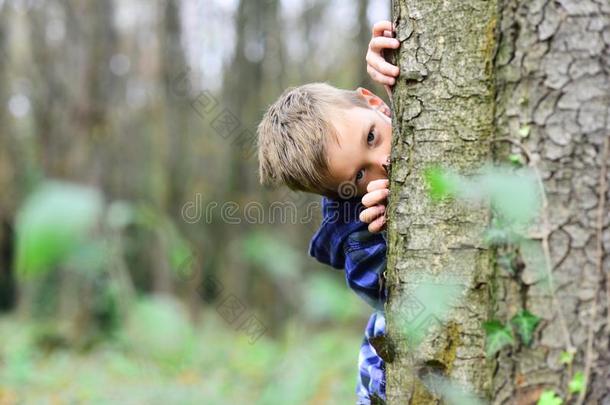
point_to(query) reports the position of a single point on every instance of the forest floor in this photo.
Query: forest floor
(210, 364)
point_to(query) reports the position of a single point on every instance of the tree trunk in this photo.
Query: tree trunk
(527, 77)
(552, 75)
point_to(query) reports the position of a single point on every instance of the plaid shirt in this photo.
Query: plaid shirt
(344, 242)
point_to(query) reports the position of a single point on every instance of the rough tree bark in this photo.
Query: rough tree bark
(536, 74)
(443, 113)
(552, 75)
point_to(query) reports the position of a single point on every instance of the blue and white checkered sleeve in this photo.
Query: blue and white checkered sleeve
(365, 263)
(371, 368)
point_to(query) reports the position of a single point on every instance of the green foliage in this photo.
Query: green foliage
(513, 193)
(451, 392)
(441, 183)
(525, 323)
(179, 250)
(499, 236)
(300, 365)
(516, 159)
(566, 357)
(161, 330)
(498, 336)
(272, 254)
(549, 397)
(577, 383)
(54, 221)
(328, 299)
(427, 306)
(524, 131)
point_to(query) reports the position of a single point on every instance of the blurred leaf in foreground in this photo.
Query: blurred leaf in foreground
(441, 183)
(512, 192)
(428, 305)
(451, 392)
(52, 223)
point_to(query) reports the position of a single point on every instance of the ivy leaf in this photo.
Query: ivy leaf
(577, 384)
(498, 336)
(525, 322)
(516, 159)
(566, 357)
(549, 397)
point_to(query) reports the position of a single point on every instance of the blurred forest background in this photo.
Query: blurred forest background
(140, 260)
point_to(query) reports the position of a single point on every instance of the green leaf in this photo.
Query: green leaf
(524, 131)
(514, 194)
(516, 159)
(549, 397)
(498, 336)
(525, 323)
(427, 306)
(577, 384)
(53, 223)
(452, 392)
(439, 183)
(566, 357)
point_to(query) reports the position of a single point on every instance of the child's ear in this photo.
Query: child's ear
(373, 101)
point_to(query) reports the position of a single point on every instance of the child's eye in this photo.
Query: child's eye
(360, 175)
(370, 137)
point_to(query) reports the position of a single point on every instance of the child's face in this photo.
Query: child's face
(364, 137)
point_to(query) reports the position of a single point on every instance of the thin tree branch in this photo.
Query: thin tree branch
(544, 236)
(602, 190)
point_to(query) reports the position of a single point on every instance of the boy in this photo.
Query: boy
(336, 143)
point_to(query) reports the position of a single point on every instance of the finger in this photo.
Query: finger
(377, 225)
(376, 61)
(378, 77)
(377, 184)
(388, 34)
(375, 197)
(370, 214)
(380, 43)
(380, 27)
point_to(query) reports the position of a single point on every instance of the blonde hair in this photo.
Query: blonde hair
(294, 132)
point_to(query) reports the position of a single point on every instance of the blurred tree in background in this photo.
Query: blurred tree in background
(131, 211)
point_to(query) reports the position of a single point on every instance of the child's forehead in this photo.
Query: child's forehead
(348, 113)
(348, 122)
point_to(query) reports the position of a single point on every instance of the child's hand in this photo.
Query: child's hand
(376, 65)
(375, 200)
